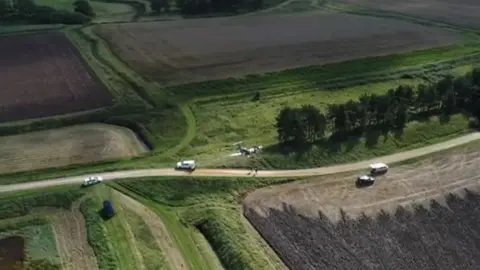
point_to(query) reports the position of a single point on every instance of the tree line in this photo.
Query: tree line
(28, 11)
(197, 7)
(391, 110)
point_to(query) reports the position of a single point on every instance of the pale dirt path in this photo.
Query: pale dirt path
(246, 173)
(159, 231)
(71, 238)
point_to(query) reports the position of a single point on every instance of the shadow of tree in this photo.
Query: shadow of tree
(440, 236)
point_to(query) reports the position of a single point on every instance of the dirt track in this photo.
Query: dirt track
(402, 185)
(71, 238)
(417, 216)
(245, 173)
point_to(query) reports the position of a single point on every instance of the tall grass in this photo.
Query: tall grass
(96, 236)
(16, 207)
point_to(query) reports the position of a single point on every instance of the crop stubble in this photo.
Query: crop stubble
(203, 49)
(67, 146)
(391, 225)
(71, 238)
(457, 12)
(43, 75)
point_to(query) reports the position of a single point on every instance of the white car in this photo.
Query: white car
(186, 165)
(92, 180)
(378, 168)
(365, 180)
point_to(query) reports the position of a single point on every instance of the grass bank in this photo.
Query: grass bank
(210, 207)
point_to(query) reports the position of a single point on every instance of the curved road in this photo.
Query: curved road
(245, 173)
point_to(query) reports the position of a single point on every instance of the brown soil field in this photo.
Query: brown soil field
(67, 146)
(12, 253)
(44, 75)
(71, 238)
(457, 12)
(418, 216)
(177, 52)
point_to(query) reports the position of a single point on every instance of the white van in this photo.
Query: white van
(377, 168)
(186, 165)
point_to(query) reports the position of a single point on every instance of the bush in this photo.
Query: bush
(16, 207)
(96, 235)
(21, 224)
(27, 11)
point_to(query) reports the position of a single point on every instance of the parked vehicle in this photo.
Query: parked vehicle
(378, 168)
(108, 210)
(92, 180)
(186, 165)
(365, 180)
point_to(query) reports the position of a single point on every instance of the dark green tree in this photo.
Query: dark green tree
(160, 5)
(84, 7)
(314, 122)
(401, 116)
(4, 8)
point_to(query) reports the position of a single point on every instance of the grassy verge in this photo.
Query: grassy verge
(153, 256)
(96, 235)
(209, 206)
(118, 233)
(20, 206)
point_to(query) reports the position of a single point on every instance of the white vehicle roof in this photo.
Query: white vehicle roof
(188, 161)
(365, 177)
(378, 165)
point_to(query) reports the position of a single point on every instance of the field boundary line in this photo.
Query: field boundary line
(365, 11)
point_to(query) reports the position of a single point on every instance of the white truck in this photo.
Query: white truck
(378, 168)
(186, 165)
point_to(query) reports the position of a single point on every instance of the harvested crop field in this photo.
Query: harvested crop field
(67, 146)
(43, 75)
(71, 239)
(12, 253)
(228, 47)
(407, 220)
(457, 12)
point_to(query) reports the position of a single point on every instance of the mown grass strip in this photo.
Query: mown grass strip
(321, 74)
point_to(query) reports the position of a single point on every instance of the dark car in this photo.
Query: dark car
(365, 180)
(108, 210)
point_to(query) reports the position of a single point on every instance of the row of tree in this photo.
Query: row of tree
(389, 111)
(197, 7)
(28, 11)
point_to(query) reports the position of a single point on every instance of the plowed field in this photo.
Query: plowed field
(407, 220)
(459, 12)
(176, 52)
(43, 75)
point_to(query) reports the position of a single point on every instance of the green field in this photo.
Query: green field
(207, 208)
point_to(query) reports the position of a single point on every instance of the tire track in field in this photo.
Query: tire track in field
(158, 229)
(71, 239)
